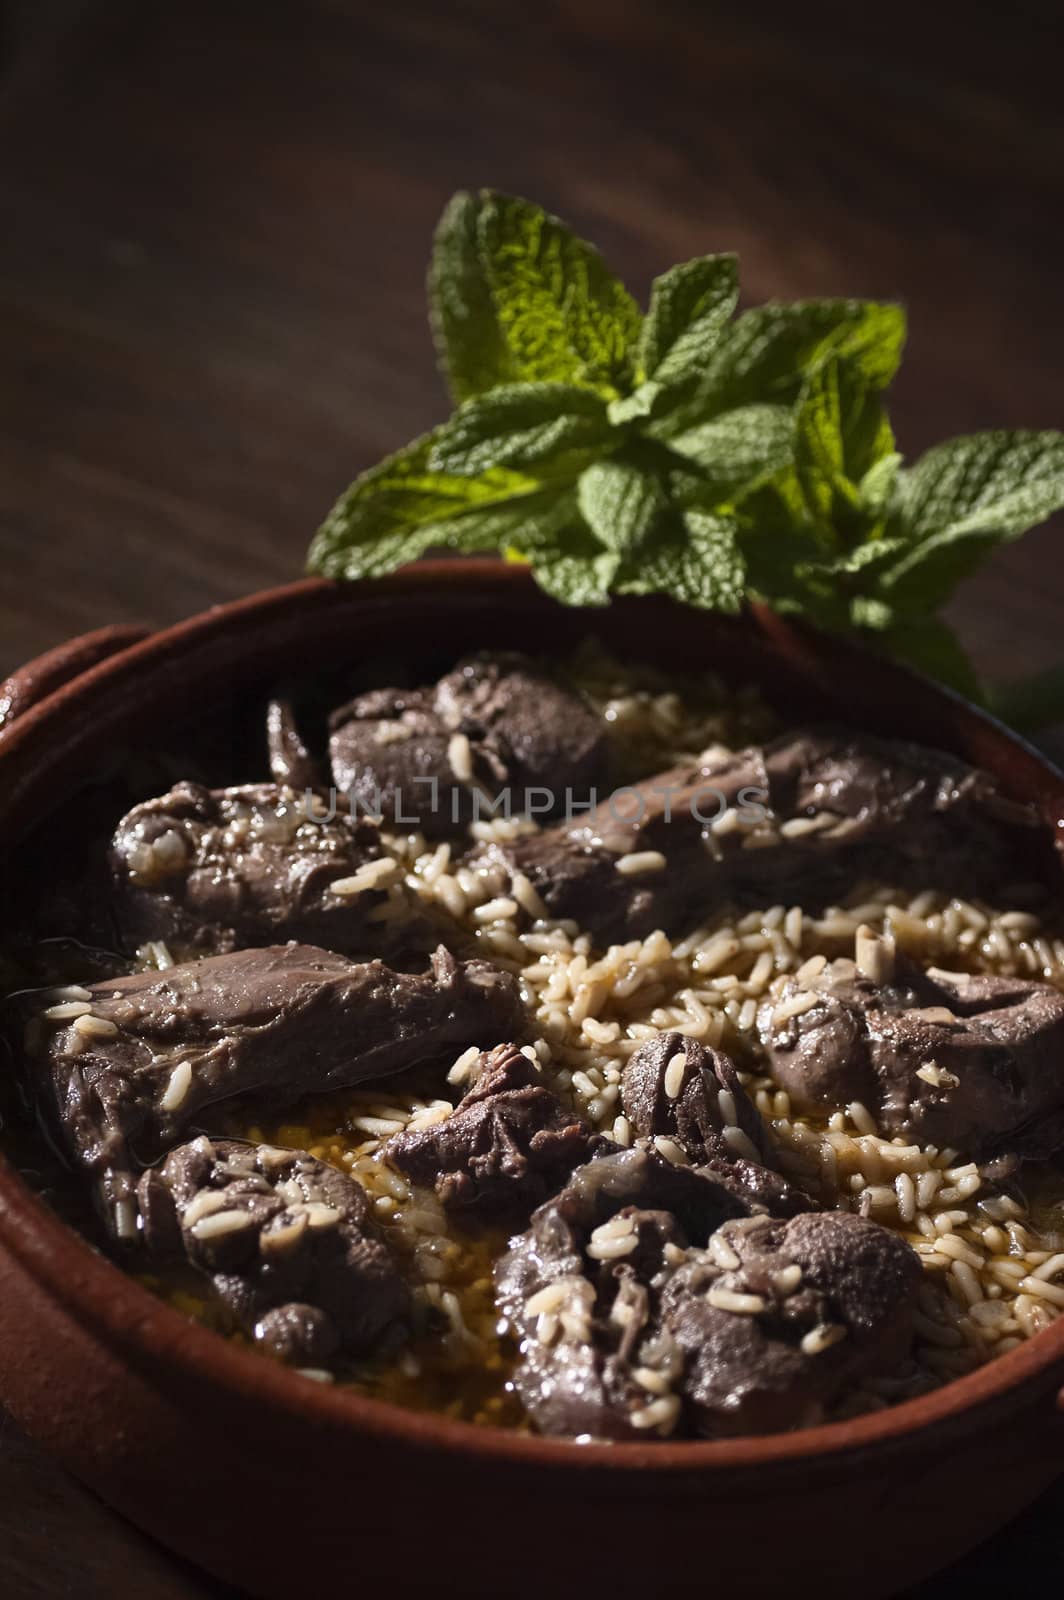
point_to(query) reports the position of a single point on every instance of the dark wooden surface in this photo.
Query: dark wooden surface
(216, 219)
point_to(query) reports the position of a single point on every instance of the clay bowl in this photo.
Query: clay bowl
(268, 1479)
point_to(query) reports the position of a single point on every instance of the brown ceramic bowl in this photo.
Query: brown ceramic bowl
(269, 1480)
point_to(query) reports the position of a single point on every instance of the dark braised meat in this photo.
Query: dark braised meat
(291, 764)
(580, 1291)
(217, 870)
(650, 1302)
(508, 1145)
(777, 1319)
(527, 727)
(800, 820)
(677, 1088)
(123, 1071)
(496, 723)
(942, 1057)
(288, 1243)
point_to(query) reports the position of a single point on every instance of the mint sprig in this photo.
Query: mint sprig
(691, 452)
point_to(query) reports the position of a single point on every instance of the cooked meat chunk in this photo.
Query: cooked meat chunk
(649, 1301)
(580, 1291)
(942, 1057)
(760, 1188)
(799, 820)
(509, 1144)
(217, 870)
(125, 1070)
(641, 1177)
(288, 1243)
(389, 753)
(677, 1088)
(777, 1319)
(291, 764)
(496, 723)
(528, 728)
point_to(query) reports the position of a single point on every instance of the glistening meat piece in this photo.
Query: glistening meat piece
(650, 1302)
(124, 1070)
(288, 1243)
(941, 1057)
(216, 870)
(798, 820)
(675, 1088)
(508, 1145)
(497, 722)
(580, 1290)
(291, 763)
(775, 1320)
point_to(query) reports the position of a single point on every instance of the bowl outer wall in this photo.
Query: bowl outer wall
(193, 1438)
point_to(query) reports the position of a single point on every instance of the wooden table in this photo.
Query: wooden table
(218, 217)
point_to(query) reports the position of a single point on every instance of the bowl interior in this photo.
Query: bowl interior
(197, 691)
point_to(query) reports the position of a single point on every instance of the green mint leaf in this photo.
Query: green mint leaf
(400, 508)
(789, 558)
(820, 452)
(837, 591)
(999, 482)
(469, 342)
(574, 568)
(525, 426)
(634, 407)
(563, 316)
(690, 454)
(923, 578)
(960, 500)
(934, 649)
(871, 344)
(820, 423)
(527, 521)
(775, 514)
(869, 611)
(689, 305)
(874, 552)
(331, 555)
(719, 565)
(697, 561)
(842, 431)
(877, 486)
(768, 352)
(738, 449)
(549, 524)
(621, 504)
(867, 436)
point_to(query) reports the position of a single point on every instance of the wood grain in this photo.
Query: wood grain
(213, 297)
(211, 304)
